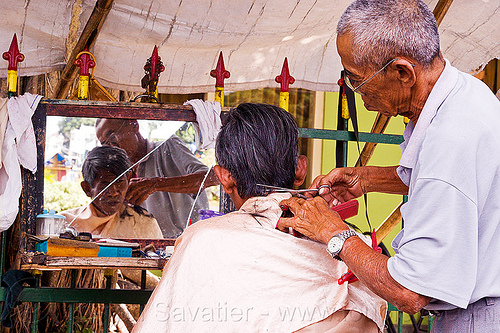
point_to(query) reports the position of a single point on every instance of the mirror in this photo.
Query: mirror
(301, 107)
(68, 143)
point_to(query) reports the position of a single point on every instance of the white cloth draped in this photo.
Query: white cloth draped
(237, 273)
(208, 122)
(255, 36)
(18, 148)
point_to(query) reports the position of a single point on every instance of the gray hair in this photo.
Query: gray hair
(385, 29)
(258, 143)
(112, 159)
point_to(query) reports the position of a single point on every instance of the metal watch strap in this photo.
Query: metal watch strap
(344, 235)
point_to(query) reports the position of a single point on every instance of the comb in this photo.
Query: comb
(347, 209)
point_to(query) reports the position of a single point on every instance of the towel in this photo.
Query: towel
(18, 148)
(208, 122)
(4, 117)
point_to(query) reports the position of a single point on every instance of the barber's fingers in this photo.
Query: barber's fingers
(137, 195)
(317, 182)
(292, 203)
(286, 222)
(282, 225)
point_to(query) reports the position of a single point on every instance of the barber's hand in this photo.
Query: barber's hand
(139, 190)
(312, 218)
(345, 184)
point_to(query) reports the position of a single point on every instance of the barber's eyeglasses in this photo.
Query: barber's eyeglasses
(353, 84)
(114, 138)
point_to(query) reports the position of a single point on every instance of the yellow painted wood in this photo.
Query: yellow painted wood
(219, 95)
(83, 87)
(284, 100)
(11, 80)
(389, 223)
(58, 247)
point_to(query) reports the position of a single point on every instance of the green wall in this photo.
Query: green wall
(379, 205)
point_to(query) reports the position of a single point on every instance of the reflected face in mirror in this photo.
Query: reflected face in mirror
(109, 202)
(120, 133)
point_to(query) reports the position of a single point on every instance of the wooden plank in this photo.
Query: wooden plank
(52, 263)
(124, 110)
(32, 191)
(157, 243)
(379, 126)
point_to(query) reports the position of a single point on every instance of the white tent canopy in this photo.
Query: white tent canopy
(254, 35)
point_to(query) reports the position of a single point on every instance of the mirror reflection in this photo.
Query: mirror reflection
(163, 186)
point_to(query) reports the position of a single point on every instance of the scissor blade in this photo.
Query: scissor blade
(288, 190)
(276, 188)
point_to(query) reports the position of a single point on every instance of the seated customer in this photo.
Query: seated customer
(237, 272)
(109, 215)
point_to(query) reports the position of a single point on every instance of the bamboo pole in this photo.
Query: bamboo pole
(441, 9)
(389, 223)
(87, 38)
(379, 126)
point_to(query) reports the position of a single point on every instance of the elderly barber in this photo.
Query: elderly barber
(167, 181)
(447, 254)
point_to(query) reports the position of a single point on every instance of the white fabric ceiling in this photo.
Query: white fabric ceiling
(254, 35)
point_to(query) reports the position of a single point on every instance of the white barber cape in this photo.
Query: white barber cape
(237, 273)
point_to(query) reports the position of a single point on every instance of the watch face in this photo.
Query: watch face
(335, 245)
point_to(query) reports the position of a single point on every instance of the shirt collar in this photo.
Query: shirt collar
(266, 208)
(414, 133)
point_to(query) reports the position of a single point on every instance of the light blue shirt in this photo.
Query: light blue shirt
(449, 247)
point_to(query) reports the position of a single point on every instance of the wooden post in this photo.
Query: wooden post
(87, 39)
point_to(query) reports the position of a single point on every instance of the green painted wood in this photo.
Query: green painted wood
(349, 136)
(67, 295)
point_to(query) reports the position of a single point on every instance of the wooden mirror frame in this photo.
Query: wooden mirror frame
(33, 184)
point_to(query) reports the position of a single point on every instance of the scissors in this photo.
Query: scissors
(297, 193)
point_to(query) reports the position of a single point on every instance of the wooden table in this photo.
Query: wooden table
(43, 262)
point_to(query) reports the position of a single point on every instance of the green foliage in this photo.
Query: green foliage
(186, 133)
(68, 123)
(60, 196)
(151, 127)
(81, 324)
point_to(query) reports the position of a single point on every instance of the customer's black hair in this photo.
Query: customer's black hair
(112, 159)
(258, 143)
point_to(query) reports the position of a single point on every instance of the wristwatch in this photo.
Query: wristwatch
(337, 242)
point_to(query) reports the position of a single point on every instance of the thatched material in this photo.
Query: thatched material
(85, 315)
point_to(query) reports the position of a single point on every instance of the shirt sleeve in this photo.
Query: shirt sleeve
(183, 158)
(439, 240)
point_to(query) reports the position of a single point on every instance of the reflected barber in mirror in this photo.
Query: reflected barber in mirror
(108, 215)
(450, 169)
(167, 181)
